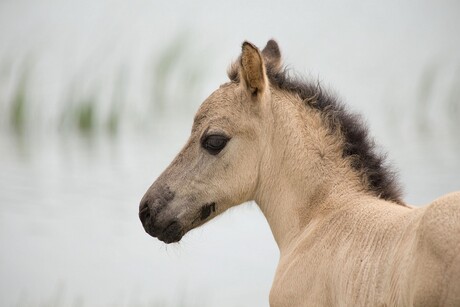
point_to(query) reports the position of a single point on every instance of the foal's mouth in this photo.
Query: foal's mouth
(174, 229)
(172, 233)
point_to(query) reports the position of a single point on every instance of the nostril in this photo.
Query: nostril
(144, 212)
(143, 204)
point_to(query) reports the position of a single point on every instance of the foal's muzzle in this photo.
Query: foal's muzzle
(167, 231)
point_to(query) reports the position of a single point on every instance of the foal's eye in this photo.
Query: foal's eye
(214, 143)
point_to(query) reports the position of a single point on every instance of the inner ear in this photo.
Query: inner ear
(253, 69)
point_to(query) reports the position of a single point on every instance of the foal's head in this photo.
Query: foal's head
(238, 136)
(219, 166)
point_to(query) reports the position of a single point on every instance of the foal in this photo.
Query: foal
(345, 236)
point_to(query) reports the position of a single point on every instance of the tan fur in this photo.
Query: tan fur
(340, 245)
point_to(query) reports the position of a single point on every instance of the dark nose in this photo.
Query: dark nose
(148, 214)
(155, 200)
(152, 209)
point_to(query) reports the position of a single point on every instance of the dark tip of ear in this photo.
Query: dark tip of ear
(247, 44)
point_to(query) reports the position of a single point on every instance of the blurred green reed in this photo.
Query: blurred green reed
(116, 104)
(175, 79)
(82, 111)
(79, 112)
(85, 114)
(18, 108)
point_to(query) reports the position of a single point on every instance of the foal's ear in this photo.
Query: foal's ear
(272, 55)
(253, 69)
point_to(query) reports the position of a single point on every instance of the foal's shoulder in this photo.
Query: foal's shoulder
(444, 212)
(438, 257)
(451, 199)
(440, 225)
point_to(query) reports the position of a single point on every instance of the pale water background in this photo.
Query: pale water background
(96, 98)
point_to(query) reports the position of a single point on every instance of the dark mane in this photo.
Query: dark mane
(359, 146)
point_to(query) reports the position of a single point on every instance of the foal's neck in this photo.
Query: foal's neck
(304, 175)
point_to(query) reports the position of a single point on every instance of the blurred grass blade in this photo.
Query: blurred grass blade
(19, 102)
